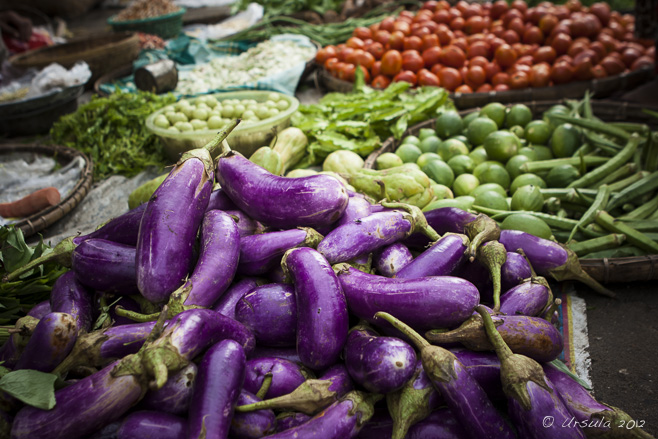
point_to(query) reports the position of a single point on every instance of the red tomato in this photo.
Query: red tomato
(396, 41)
(346, 72)
(355, 43)
(478, 61)
(425, 77)
(498, 8)
(362, 32)
(453, 56)
(540, 75)
(461, 43)
(391, 63)
(366, 74)
(474, 25)
(374, 28)
(525, 60)
(612, 65)
(382, 37)
(599, 48)
(643, 62)
(545, 54)
(511, 15)
(445, 36)
(505, 56)
(518, 81)
(325, 53)
(598, 72)
(464, 89)
(420, 31)
(376, 69)
(436, 69)
(561, 73)
(478, 48)
(561, 43)
(406, 76)
(330, 64)
(500, 78)
(501, 87)
(547, 23)
(602, 12)
(430, 41)
(376, 50)
(629, 55)
(457, 23)
(450, 78)
(492, 69)
(402, 26)
(476, 76)
(533, 35)
(380, 82)
(413, 43)
(484, 88)
(365, 59)
(387, 24)
(510, 37)
(411, 60)
(519, 5)
(431, 56)
(496, 43)
(442, 16)
(430, 4)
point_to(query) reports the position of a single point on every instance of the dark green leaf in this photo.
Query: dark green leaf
(32, 387)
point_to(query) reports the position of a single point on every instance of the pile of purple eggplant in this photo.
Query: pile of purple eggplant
(290, 308)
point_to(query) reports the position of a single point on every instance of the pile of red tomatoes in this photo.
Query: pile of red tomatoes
(474, 47)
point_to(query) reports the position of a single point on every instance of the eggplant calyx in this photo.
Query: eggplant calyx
(61, 254)
(217, 147)
(363, 403)
(417, 219)
(309, 397)
(479, 231)
(493, 255)
(365, 266)
(86, 351)
(199, 154)
(341, 268)
(572, 270)
(408, 406)
(175, 306)
(313, 238)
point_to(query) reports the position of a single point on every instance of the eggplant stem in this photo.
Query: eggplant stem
(502, 350)
(216, 146)
(415, 337)
(418, 220)
(265, 387)
(135, 316)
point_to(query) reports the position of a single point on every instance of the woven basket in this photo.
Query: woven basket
(607, 270)
(102, 53)
(165, 26)
(574, 90)
(39, 221)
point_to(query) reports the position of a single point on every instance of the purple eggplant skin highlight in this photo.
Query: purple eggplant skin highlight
(218, 259)
(218, 200)
(531, 336)
(341, 420)
(378, 364)
(260, 253)
(341, 383)
(270, 312)
(286, 376)
(281, 202)
(39, 310)
(597, 420)
(443, 220)
(322, 316)
(463, 395)
(443, 258)
(226, 304)
(105, 266)
(122, 229)
(528, 298)
(216, 390)
(514, 270)
(149, 424)
(52, 340)
(105, 399)
(289, 354)
(288, 420)
(485, 368)
(251, 425)
(175, 396)
(440, 424)
(246, 226)
(390, 259)
(446, 301)
(69, 296)
(357, 208)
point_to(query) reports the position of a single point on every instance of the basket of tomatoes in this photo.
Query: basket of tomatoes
(496, 51)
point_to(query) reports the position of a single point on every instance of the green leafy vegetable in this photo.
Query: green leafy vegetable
(288, 7)
(112, 132)
(31, 387)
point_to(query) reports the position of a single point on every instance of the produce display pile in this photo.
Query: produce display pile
(473, 47)
(278, 307)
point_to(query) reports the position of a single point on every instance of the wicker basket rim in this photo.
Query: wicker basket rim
(112, 20)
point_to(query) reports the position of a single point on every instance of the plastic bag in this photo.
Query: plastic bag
(55, 76)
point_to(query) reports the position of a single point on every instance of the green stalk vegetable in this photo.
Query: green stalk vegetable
(600, 202)
(610, 166)
(633, 236)
(597, 244)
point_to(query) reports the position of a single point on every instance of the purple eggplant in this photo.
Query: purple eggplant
(479, 276)
(260, 253)
(52, 340)
(463, 395)
(390, 259)
(149, 424)
(322, 317)
(216, 390)
(413, 402)
(226, 304)
(440, 424)
(341, 420)
(485, 368)
(286, 376)
(530, 336)
(529, 298)
(357, 208)
(492, 255)
(39, 310)
(104, 397)
(515, 269)
(443, 220)
(280, 201)
(597, 420)
(270, 312)
(69, 296)
(443, 258)
(107, 432)
(220, 201)
(378, 364)
(550, 258)
(374, 231)
(312, 395)
(175, 396)
(283, 353)
(251, 425)
(288, 420)
(534, 405)
(105, 266)
(168, 229)
(446, 301)
(246, 226)
(18, 338)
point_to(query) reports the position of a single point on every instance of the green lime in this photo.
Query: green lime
(479, 129)
(491, 200)
(496, 112)
(411, 139)
(461, 164)
(565, 140)
(562, 176)
(449, 124)
(538, 132)
(555, 109)
(424, 133)
(542, 152)
(527, 223)
(441, 192)
(408, 152)
(470, 117)
(452, 147)
(518, 131)
(464, 184)
(528, 197)
(492, 172)
(501, 145)
(440, 172)
(529, 152)
(430, 144)
(489, 187)
(388, 160)
(514, 163)
(526, 179)
(519, 114)
(479, 155)
(426, 157)
(462, 138)
(464, 202)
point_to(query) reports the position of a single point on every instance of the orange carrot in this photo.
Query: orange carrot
(31, 204)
